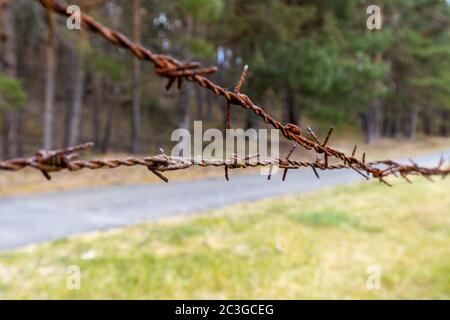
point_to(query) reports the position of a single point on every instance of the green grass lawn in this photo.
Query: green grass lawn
(314, 246)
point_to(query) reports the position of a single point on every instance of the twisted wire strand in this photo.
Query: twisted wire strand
(175, 70)
(67, 159)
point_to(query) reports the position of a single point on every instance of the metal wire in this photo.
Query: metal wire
(175, 70)
(67, 159)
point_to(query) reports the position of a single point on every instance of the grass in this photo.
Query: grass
(314, 246)
(30, 181)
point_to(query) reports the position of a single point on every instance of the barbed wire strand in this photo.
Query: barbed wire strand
(68, 159)
(175, 70)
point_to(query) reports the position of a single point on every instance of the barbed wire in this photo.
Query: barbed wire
(68, 159)
(177, 71)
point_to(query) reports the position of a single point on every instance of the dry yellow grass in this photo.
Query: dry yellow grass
(31, 181)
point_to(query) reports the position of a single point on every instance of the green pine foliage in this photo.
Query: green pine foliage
(12, 94)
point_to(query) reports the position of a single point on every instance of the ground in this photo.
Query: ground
(318, 245)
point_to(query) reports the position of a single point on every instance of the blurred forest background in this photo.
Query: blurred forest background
(313, 60)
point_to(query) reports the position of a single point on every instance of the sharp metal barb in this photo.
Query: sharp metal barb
(159, 175)
(354, 150)
(313, 135)
(241, 79)
(315, 172)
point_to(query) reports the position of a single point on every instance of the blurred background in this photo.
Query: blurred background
(311, 62)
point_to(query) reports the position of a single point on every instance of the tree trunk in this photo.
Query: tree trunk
(183, 106)
(109, 121)
(11, 117)
(411, 123)
(49, 105)
(427, 121)
(387, 128)
(136, 127)
(210, 97)
(108, 130)
(199, 100)
(291, 113)
(251, 121)
(373, 122)
(98, 106)
(209, 104)
(445, 124)
(76, 105)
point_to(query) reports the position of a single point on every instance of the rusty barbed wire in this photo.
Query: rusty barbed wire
(177, 71)
(68, 159)
(174, 70)
(397, 169)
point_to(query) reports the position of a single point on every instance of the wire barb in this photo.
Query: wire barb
(286, 160)
(241, 79)
(67, 159)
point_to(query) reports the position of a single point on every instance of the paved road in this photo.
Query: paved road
(38, 218)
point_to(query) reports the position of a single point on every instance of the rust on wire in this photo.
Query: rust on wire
(241, 80)
(176, 71)
(68, 159)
